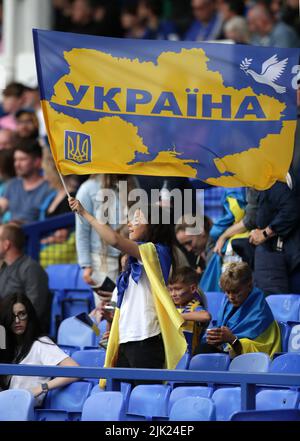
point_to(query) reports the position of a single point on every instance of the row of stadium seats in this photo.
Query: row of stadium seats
(149, 402)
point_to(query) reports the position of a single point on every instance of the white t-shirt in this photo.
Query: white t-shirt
(138, 318)
(42, 352)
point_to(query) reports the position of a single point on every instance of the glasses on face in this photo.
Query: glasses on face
(22, 315)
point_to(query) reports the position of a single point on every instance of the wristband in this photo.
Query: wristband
(234, 342)
(266, 236)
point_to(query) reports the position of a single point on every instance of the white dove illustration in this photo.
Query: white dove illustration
(271, 70)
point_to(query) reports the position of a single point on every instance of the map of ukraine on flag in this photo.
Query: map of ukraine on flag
(225, 114)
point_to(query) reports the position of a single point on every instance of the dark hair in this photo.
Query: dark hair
(14, 89)
(185, 275)
(7, 168)
(155, 6)
(29, 146)
(14, 234)
(33, 330)
(237, 6)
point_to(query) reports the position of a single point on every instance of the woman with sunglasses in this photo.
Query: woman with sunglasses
(26, 344)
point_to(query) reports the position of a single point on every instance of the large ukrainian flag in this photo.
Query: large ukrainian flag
(253, 323)
(225, 114)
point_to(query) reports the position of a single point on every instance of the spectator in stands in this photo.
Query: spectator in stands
(290, 14)
(266, 32)
(27, 124)
(21, 274)
(6, 139)
(13, 100)
(277, 241)
(208, 22)
(245, 322)
(33, 101)
(190, 301)
(146, 318)
(27, 344)
(97, 258)
(231, 8)
(25, 193)
(195, 244)
(7, 170)
(236, 29)
(149, 14)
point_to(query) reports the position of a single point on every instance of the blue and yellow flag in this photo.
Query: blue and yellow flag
(225, 114)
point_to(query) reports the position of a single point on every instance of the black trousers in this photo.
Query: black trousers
(147, 354)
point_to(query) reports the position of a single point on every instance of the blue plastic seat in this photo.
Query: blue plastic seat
(210, 362)
(106, 406)
(189, 391)
(294, 338)
(96, 389)
(16, 405)
(90, 358)
(227, 402)
(193, 409)
(285, 307)
(277, 399)
(252, 362)
(69, 399)
(72, 332)
(63, 276)
(68, 349)
(267, 415)
(288, 363)
(183, 362)
(214, 302)
(285, 330)
(77, 301)
(149, 401)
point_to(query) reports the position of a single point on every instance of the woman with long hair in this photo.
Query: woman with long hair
(27, 344)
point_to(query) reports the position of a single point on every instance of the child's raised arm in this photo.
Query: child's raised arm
(108, 234)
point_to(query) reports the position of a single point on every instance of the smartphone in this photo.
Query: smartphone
(109, 308)
(107, 285)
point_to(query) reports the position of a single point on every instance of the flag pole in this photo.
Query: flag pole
(67, 192)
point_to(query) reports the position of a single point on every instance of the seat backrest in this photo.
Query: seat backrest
(189, 391)
(193, 409)
(63, 276)
(210, 362)
(68, 349)
(214, 302)
(294, 338)
(287, 363)
(285, 330)
(74, 333)
(90, 357)
(227, 402)
(285, 307)
(75, 302)
(149, 400)
(106, 406)
(184, 361)
(267, 415)
(277, 399)
(252, 362)
(16, 405)
(71, 397)
(80, 283)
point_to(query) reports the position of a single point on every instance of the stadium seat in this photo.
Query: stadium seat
(285, 307)
(227, 402)
(72, 332)
(267, 415)
(16, 405)
(90, 358)
(69, 399)
(68, 349)
(294, 338)
(183, 362)
(285, 330)
(80, 283)
(189, 391)
(210, 362)
(193, 409)
(106, 406)
(77, 301)
(277, 399)
(252, 362)
(63, 276)
(214, 302)
(148, 401)
(96, 389)
(288, 363)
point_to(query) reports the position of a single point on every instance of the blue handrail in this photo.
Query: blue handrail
(115, 375)
(35, 230)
